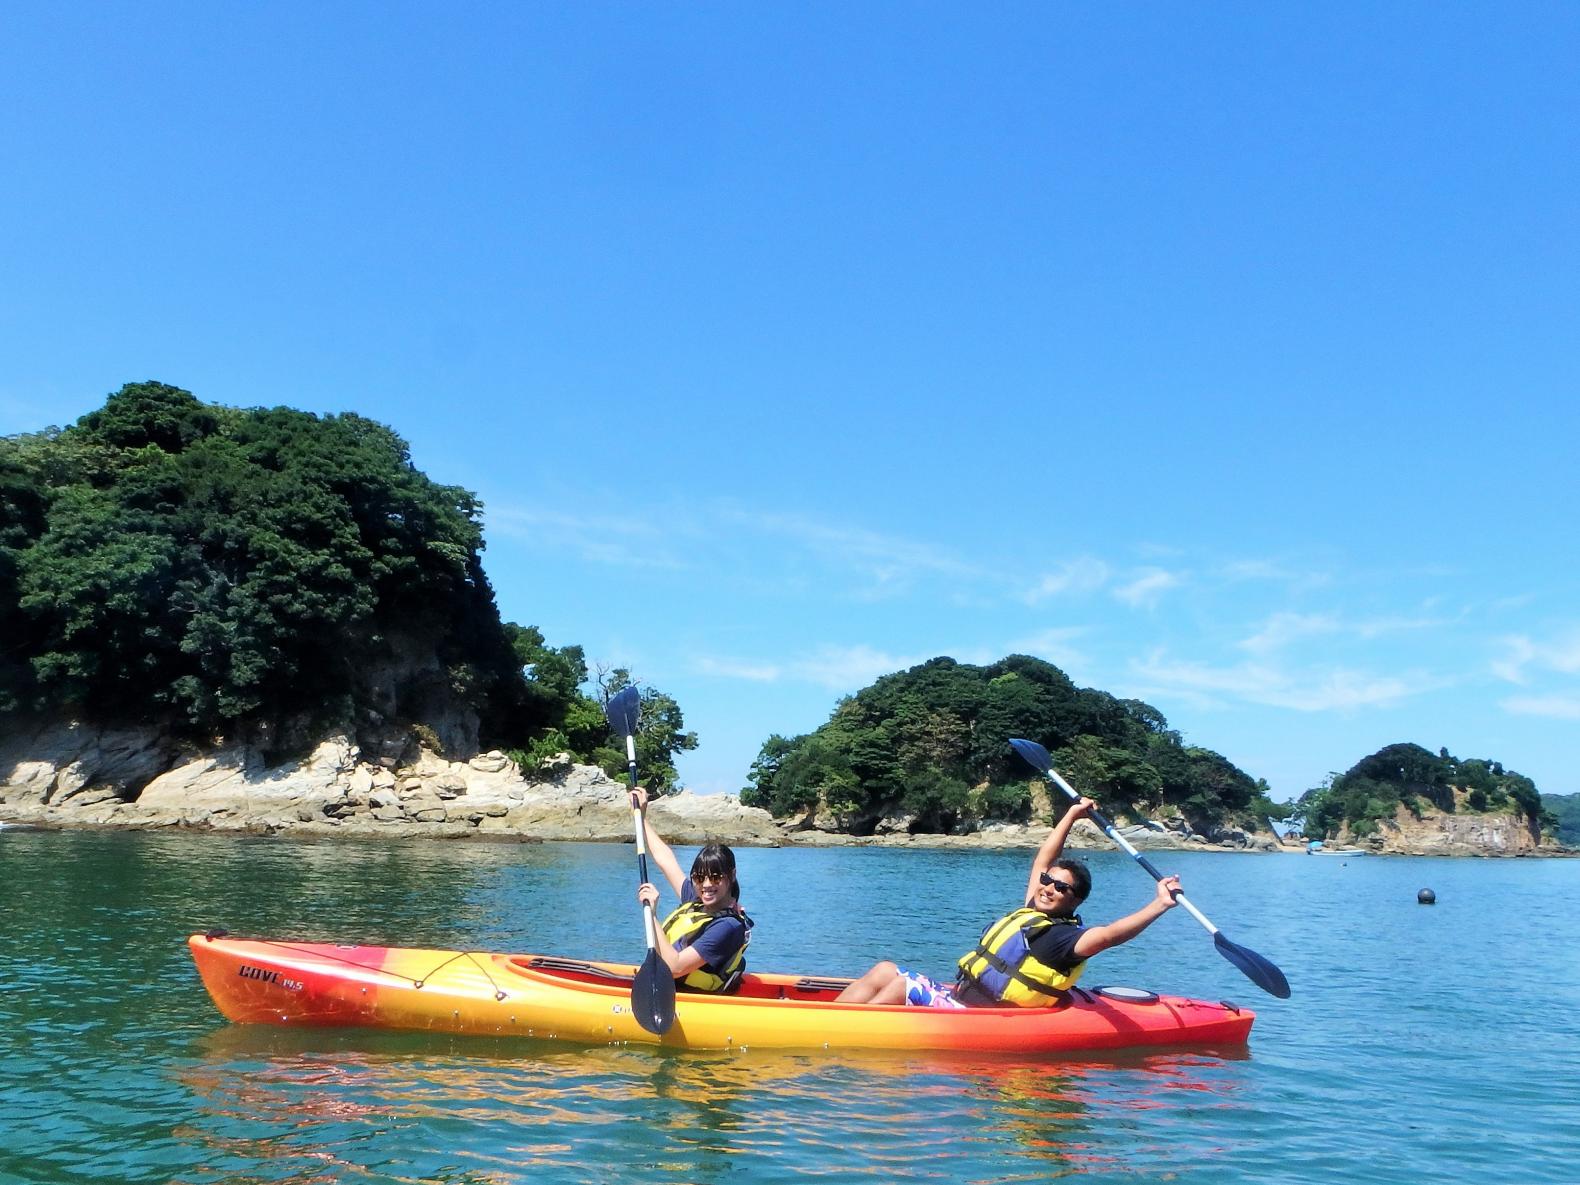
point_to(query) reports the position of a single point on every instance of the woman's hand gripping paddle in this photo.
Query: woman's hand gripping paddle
(653, 989)
(1257, 969)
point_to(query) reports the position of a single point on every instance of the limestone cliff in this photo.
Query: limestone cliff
(80, 775)
(1438, 833)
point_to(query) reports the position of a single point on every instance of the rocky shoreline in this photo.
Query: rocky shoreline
(68, 775)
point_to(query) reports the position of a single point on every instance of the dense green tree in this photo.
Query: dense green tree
(817, 769)
(936, 801)
(1123, 780)
(660, 737)
(217, 570)
(763, 778)
(1563, 813)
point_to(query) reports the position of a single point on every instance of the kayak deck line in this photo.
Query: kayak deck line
(485, 993)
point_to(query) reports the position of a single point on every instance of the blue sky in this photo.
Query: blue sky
(1225, 356)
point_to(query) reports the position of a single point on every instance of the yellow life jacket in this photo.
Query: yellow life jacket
(685, 926)
(1002, 964)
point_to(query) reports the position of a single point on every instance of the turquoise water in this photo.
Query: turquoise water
(1391, 1063)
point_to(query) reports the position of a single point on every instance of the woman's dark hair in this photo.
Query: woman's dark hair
(1080, 876)
(717, 860)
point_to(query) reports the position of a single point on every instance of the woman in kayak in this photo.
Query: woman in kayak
(708, 932)
(1029, 956)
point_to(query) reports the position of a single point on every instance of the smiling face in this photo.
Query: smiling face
(1061, 888)
(713, 877)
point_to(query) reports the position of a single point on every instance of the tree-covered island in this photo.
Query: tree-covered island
(272, 574)
(931, 744)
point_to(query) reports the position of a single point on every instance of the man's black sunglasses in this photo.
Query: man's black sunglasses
(1048, 878)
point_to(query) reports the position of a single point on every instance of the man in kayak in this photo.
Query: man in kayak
(1030, 956)
(709, 931)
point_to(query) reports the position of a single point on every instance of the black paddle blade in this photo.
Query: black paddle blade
(624, 709)
(1257, 969)
(653, 995)
(1034, 753)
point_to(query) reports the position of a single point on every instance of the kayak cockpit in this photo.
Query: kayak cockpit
(804, 988)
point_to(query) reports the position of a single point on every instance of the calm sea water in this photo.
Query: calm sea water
(1422, 1044)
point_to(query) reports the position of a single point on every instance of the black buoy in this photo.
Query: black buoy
(1426, 897)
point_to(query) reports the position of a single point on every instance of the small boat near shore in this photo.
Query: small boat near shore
(1317, 848)
(258, 981)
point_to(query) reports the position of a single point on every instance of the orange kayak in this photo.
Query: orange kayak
(258, 981)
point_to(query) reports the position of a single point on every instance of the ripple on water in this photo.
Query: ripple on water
(1391, 1064)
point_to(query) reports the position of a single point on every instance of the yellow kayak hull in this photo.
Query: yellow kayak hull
(470, 992)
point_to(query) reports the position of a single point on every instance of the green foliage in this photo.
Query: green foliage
(1262, 807)
(936, 800)
(818, 769)
(764, 791)
(1562, 814)
(217, 566)
(215, 570)
(1009, 802)
(1123, 780)
(660, 735)
(934, 741)
(1407, 775)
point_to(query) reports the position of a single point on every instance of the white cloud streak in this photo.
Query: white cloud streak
(1558, 707)
(837, 668)
(1056, 645)
(605, 540)
(1521, 655)
(1335, 689)
(728, 668)
(1084, 574)
(1284, 629)
(1147, 587)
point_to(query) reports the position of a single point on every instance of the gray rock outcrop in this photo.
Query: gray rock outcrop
(78, 775)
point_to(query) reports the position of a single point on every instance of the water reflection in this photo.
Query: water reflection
(517, 1110)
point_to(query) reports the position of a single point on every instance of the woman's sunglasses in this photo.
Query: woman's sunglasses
(1048, 878)
(710, 878)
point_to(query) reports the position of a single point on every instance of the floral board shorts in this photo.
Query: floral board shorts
(924, 992)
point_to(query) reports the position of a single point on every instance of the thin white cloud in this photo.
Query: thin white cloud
(728, 668)
(1084, 574)
(1521, 653)
(886, 557)
(1257, 570)
(1284, 629)
(1056, 645)
(875, 566)
(1334, 689)
(1281, 629)
(1262, 571)
(1559, 707)
(849, 668)
(838, 668)
(1376, 627)
(1147, 587)
(620, 542)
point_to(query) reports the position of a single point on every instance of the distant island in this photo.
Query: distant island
(277, 606)
(926, 750)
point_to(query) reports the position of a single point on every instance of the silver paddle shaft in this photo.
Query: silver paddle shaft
(649, 921)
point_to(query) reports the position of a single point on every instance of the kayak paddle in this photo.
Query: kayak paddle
(1257, 969)
(653, 989)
